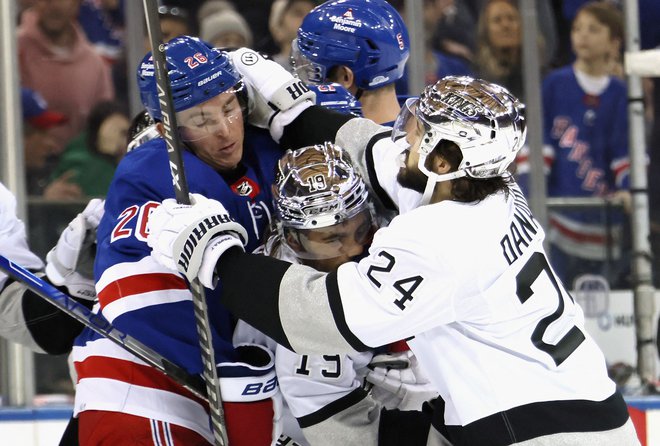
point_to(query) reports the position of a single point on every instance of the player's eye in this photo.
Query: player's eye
(198, 121)
(333, 238)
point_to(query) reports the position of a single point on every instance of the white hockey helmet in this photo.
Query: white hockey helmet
(317, 189)
(483, 119)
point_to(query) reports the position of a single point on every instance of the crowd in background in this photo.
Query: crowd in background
(74, 80)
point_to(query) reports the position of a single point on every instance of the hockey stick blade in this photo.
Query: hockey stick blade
(101, 326)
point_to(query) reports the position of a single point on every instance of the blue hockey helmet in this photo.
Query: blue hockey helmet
(367, 36)
(197, 73)
(335, 97)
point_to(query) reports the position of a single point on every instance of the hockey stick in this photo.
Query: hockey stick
(100, 325)
(173, 143)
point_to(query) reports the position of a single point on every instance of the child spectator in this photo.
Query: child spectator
(586, 144)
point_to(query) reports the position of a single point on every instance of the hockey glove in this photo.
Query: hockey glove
(250, 397)
(71, 262)
(398, 382)
(191, 238)
(275, 96)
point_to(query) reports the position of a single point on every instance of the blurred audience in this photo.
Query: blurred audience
(90, 159)
(40, 148)
(285, 19)
(103, 23)
(455, 28)
(211, 7)
(226, 29)
(56, 59)
(257, 13)
(175, 21)
(438, 64)
(499, 45)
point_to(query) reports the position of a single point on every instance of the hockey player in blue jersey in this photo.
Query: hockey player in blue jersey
(362, 45)
(461, 275)
(153, 303)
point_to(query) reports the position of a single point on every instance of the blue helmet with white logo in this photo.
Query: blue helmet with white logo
(367, 36)
(197, 73)
(335, 97)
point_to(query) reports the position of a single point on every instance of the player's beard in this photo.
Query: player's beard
(412, 178)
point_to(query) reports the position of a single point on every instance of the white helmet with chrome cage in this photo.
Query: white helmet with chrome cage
(317, 188)
(483, 119)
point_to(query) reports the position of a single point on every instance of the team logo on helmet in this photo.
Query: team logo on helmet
(461, 104)
(346, 22)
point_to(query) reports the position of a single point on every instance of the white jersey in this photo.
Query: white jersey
(313, 386)
(480, 306)
(13, 240)
(469, 287)
(13, 245)
(325, 394)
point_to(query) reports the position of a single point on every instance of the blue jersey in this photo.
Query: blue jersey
(153, 303)
(585, 153)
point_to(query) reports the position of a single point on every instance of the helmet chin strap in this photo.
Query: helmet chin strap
(433, 178)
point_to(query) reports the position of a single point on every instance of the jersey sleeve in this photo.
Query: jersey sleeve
(24, 317)
(312, 312)
(13, 239)
(619, 158)
(378, 159)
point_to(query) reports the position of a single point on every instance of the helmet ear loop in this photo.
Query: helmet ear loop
(433, 178)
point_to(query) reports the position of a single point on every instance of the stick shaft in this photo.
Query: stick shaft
(101, 326)
(181, 191)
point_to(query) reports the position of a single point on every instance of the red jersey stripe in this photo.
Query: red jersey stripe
(131, 373)
(140, 283)
(578, 236)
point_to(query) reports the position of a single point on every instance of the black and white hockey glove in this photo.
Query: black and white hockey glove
(71, 261)
(275, 96)
(191, 238)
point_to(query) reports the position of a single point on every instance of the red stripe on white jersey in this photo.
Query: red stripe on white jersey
(139, 284)
(131, 373)
(578, 236)
(125, 287)
(621, 168)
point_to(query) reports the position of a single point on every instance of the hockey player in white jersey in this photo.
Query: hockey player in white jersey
(462, 276)
(26, 318)
(324, 218)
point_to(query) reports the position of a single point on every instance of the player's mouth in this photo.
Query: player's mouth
(228, 148)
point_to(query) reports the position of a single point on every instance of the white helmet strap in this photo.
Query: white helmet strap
(433, 178)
